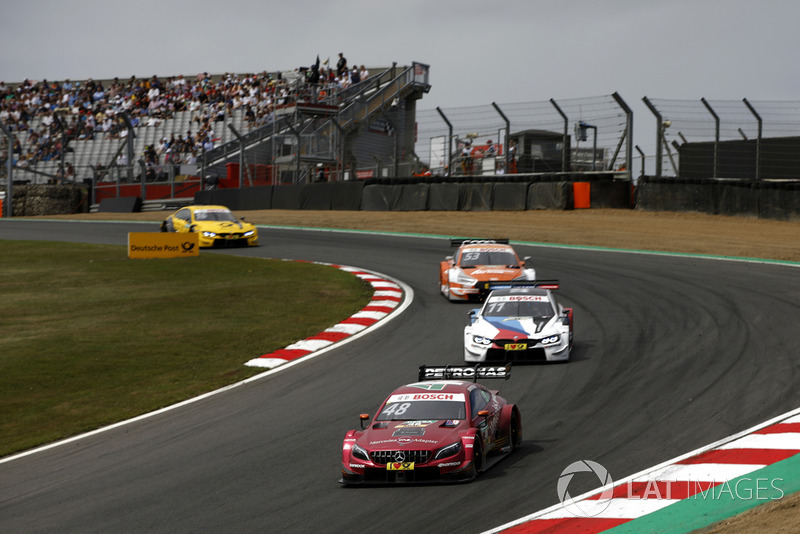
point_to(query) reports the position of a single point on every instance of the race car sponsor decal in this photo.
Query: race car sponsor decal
(463, 371)
(467, 250)
(490, 271)
(400, 466)
(450, 423)
(410, 424)
(520, 298)
(414, 397)
(450, 464)
(357, 466)
(410, 431)
(516, 346)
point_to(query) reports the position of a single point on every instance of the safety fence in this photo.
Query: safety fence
(576, 135)
(694, 139)
(729, 139)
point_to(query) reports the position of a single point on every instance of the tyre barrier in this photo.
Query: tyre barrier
(778, 200)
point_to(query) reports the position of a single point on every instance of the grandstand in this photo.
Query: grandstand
(230, 130)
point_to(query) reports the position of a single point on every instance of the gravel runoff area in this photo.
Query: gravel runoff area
(627, 229)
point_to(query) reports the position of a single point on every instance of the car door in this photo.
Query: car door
(487, 425)
(182, 220)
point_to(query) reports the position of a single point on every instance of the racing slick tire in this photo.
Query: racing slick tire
(514, 434)
(477, 457)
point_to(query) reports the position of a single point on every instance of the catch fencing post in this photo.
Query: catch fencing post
(9, 173)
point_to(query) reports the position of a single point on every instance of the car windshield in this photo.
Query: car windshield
(472, 258)
(430, 410)
(518, 308)
(214, 215)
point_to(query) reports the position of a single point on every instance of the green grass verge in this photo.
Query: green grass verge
(89, 337)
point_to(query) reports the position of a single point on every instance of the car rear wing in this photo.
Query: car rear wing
(471, 372)
(541, 284)
(474, 240)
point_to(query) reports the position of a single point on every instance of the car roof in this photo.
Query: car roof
(487, 245)
(207, 207)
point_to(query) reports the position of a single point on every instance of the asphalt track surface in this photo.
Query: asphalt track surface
(671, 353)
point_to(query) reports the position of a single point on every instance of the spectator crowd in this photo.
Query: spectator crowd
(46, 116)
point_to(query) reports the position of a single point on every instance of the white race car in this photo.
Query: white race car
(520, 321)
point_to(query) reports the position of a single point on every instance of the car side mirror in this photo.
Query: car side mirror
(565, 320)
(363, 418)
(484, 414)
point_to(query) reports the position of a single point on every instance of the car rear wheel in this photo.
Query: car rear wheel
(514, 433)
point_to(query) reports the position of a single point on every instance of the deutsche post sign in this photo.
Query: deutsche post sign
(162, 245)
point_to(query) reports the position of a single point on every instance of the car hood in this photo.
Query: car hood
(388, 435)
(223, 226)
(510, 327)
(490, 273)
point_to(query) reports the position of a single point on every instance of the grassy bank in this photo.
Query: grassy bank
(89, 337)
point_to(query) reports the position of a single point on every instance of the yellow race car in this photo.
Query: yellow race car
(216, 226)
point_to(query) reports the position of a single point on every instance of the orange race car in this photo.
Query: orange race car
(467, 274)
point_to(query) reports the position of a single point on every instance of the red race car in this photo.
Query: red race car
(445, 428)
(477, 262)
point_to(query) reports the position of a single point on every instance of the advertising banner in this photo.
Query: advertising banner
(162, 245)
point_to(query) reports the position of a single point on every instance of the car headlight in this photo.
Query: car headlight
(360, 453)
(480, 340)
(209, 234)
(248, 234)
(551, 340)
(450, 450)
(465, 280)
